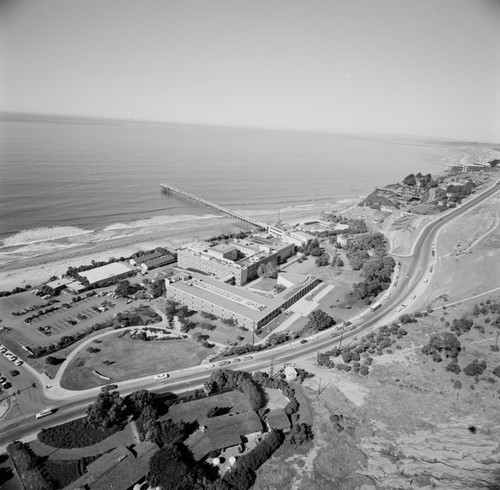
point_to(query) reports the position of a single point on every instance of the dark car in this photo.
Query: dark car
(303, 341)
(109, 388)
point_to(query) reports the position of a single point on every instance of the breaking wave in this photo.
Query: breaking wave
(37, 235)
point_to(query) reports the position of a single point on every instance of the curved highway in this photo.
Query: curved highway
(416, 265)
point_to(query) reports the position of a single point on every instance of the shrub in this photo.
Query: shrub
(475, 368)
(76, 433)
(453, 367)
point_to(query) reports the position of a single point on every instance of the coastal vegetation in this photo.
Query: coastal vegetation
(368, 254)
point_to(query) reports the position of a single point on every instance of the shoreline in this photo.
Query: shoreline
(39, 268)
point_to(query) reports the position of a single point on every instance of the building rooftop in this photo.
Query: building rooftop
(278, 419)
(121, 468)
(223, 247)
(239, 300)
(105, 272)
(293, 278)
(221, 432)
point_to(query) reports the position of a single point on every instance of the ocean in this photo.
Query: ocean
(72, 176)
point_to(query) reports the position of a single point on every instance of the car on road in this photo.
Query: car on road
(107, 388)
(413, 296)
(161, 376)
(303, 341)
(209, 366)
(426, 279)
(398, 309)
(314, 337)
(407, 276)
(224, 363)
(387, 296)
(346, 323)
(19, 362)
(361, 315)
(236, 360)
(248, 358)
(403, 306)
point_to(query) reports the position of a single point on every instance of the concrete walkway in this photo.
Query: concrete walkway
(124, 437)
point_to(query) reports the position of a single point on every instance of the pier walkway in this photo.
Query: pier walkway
(168, 189)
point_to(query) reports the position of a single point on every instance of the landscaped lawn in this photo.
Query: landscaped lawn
(275, 398)
(130, 359)
(222, 334)
(197, 409)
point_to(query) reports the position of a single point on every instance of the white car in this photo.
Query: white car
(398, 309)
(387, 296)
(19, 362)
(426, 279)
(361, 315)
(314, 337)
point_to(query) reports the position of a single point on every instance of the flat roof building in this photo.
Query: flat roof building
(203, 293)
(99, 275)
(239, 259)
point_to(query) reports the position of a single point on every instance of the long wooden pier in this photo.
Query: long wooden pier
(168, 189)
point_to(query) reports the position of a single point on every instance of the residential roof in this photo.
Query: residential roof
(278, 419)
(119, 469)
(105, 272)
(221, 432)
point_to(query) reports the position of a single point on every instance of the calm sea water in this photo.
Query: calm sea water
(91, 174)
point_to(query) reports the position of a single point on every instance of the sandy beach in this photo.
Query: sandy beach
(40, 267)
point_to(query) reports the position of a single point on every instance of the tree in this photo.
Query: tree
(124, 288)
(319, 320)
(300, 434)
(108, 410)
(322, 260)
(53, 361)
(475, 368)
(171, 467)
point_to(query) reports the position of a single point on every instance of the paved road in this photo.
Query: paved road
(416, 265)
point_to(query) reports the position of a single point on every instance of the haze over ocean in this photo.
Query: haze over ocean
(91, 174)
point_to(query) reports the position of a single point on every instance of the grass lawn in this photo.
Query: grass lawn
(275, 398)
(130, 359)
(222, 334)
(197, 409)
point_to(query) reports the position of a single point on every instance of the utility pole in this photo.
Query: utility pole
(341, 335)
(319, 387)
(271, 369)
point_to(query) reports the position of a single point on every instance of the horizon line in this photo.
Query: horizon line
(440, 139)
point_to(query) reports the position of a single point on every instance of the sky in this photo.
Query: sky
(415, 67)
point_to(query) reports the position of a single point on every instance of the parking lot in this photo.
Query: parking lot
(71, 316)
